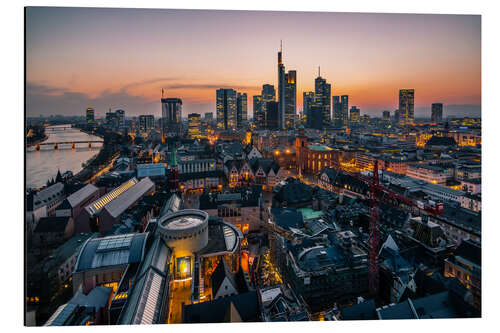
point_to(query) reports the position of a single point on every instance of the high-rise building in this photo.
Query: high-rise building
(406, 106)
(281, 87)
(287, 94)
(111, 119)
(365, 119)
(437, 112)
(120, 114)
(272, 115)
(337, 111)
(268, 95)
(209, 117)
(396, 116)
(322, 93)
(290, 99)
(90, 115)
(258, 116)
(316, 115)
(171, 116)
(386, 116)
(344, 106)
(307, 103)
(146, 122)
(226, 109)
(354, 115)
(241, 109)
(194, 125)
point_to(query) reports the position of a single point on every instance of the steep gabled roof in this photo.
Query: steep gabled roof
(221, 272)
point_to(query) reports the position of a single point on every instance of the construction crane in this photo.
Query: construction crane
(379, 194)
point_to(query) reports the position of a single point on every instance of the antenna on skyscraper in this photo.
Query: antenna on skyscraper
(281, 45)
(161, 92)
(319, 70)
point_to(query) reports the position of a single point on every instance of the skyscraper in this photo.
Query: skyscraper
(344, 106)
(337, 111)
(111, 119)
(171, 116)
(194, 125)
(90, 115)
(120, 114)
(437, 112)
(146, 122)
(386, 116)
(406, 106)
(226, 109)
(287, 95)
(281, 88)
(258, 116)
(241, 109)
(354, 116)
(209, 117)
(322, 93)
(290, 99)
(307, 103)
(272, 115)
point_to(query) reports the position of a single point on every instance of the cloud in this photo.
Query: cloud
(37, 88)
(146, 82)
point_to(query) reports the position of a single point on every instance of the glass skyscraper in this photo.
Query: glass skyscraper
(226, 109)
(437, 112)
(241, 109)
(171, 111)
(287, 95)
(344, 105)
(406, 106)
(322, 93)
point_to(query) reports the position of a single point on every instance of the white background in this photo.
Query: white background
(12, 160)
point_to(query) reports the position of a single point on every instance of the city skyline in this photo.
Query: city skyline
(443, 64)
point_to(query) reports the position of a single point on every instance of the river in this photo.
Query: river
(44, 164)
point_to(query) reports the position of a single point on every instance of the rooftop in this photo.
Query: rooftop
(317, 147)
(111, 251)
(76, 198)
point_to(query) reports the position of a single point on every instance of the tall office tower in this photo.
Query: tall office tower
(241, 110)
(344, 101)
(316, 116)
(406, 106)
(258, 116)
(281, 89)
(226, 109)
(386, 116)
(209, 117)
(437, 112)
(171, 110)
(111, 119)
(290, 99)
(146, 122)
(337, 111)
(322, 93)
(90, 115)
(307, 103)
(365, 119)
(120, 114)
(194, 125)
(268, 95)
(396, 116)
(354, 116)
(272, 115)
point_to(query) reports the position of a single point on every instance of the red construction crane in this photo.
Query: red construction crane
(377, 194)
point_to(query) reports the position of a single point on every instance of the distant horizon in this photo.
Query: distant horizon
(122, 58)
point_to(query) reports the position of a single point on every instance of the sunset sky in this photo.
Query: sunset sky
(121, 58)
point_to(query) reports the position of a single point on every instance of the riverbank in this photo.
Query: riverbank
(37, 141)
(42, 165)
